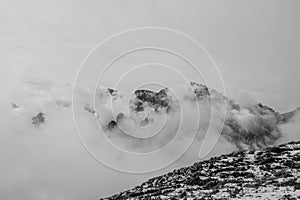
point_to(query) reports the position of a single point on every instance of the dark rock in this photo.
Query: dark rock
(38, 119)
(112, 124)
(14, 105)
(111, 91)
(156, 100)
(201, 91)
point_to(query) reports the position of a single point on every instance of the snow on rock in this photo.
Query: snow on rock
(273, 173)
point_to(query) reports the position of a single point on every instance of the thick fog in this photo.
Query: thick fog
(255, 45)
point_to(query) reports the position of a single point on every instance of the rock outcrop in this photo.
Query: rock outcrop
(38, 119)
(273, 173)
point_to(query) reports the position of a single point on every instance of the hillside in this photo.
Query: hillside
(273, 173)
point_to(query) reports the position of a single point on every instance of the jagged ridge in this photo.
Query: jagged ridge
(263, 131)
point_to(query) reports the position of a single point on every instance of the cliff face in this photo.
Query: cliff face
(273, 173)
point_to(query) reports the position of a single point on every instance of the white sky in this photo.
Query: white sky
(255, 44)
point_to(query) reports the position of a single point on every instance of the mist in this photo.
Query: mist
(40, 156)
(43, 45)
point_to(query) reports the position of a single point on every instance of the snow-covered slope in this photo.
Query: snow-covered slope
(273, 173)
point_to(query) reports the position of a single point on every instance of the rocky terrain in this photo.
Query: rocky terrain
(273, 173)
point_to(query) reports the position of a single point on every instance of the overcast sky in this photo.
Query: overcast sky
(256, 45)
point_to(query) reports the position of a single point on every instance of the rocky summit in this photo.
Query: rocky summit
(254, 126)
(272, 173)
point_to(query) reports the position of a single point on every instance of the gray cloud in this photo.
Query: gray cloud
(255, 44)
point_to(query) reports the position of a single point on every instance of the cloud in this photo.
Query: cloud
(49, 162)
(45, 43)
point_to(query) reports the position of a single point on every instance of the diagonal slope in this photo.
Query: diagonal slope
(273, 173)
